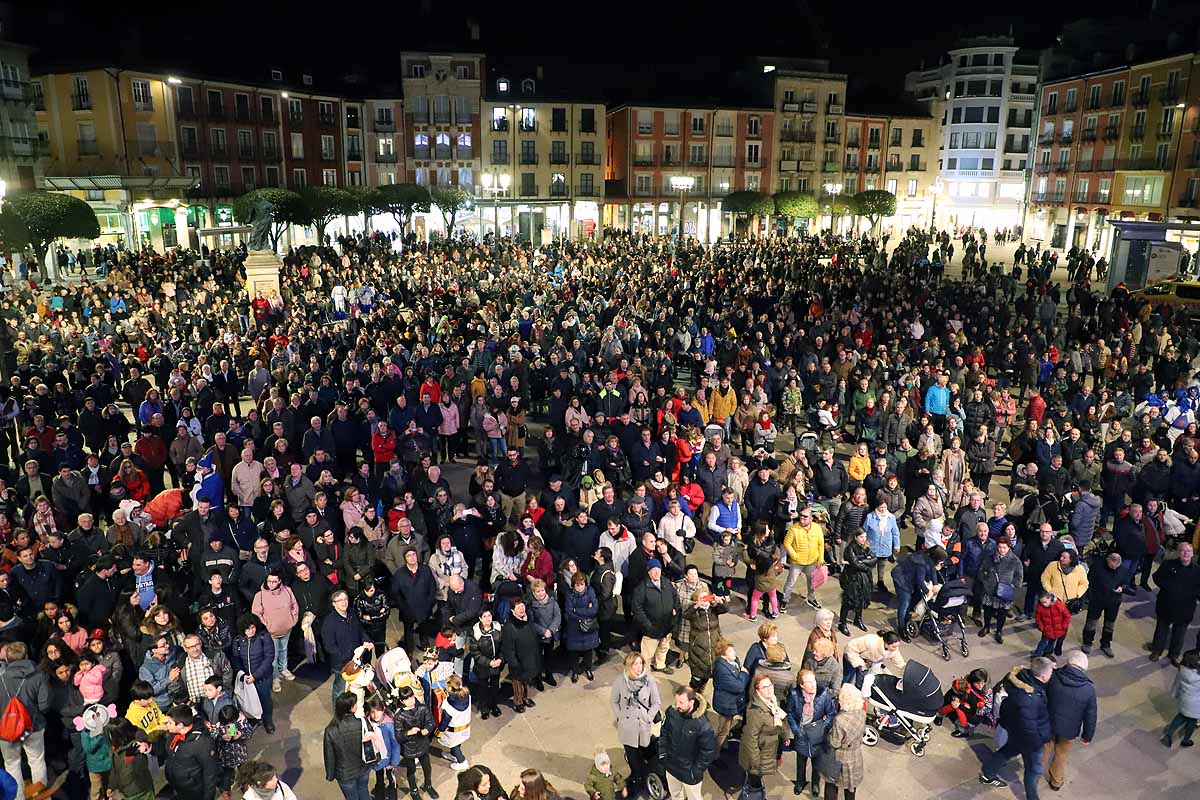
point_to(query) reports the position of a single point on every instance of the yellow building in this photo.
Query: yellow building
(550, 148)
(1151, 128)
(109, 136)
(810, 106)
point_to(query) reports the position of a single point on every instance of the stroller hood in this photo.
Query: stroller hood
(917, 693)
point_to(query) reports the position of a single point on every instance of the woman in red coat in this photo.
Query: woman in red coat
(383, 447)
(538, 563)
(131, 482)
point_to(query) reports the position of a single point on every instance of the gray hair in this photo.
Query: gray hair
(1042, 668)
(823, 615)
(1078, 659)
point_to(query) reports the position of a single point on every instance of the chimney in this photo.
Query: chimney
(537, 73)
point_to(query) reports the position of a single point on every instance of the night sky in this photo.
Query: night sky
(613, 46)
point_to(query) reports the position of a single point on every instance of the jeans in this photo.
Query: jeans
(357, 789)
(1031, 758)
(268, 703)
(1047, 646)
(281, 653)
(1180, 721)
(851, 674)
(904, 604)
(339, 684)
(34, 747)
(794, 571)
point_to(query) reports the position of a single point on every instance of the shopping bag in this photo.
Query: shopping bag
(247, 697)
(820, 575)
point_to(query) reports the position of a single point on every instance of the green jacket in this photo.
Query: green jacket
(605, 787)
(97, 751)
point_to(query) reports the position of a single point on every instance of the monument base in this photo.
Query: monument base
(262, 272)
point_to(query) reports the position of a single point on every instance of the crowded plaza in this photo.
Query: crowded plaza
(815, 515)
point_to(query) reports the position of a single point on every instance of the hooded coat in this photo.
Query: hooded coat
(1024, 713)
(1071, 700)
(687, 745)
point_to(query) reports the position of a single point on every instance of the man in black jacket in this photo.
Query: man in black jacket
(190, 754)
(1106, 586)
(655, 607)
(97, 594)
(414, 592)
(512, 479)
(762, 494)
(341, 634)
(1025, 715)
(687, 745)
(1178, 581)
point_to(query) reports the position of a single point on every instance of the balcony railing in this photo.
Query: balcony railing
(81, 102)
(589, 159)
(724, 130)
(529, 190)
(88, 147)
(1088, 135)
(243, 115)
(808, 108)
(216, 112)
(1150, 163)
(558, 190)
(39, 103)
(1168, 95)
(798, 136)
(441, 152)
(272, 154)
(143, 105)
(354, 154)
(871, 169)
(385, 158)
(850, 166)
(1048, 197)
(295, 117)
(852, 144)
(873, 144)
(20, 91)
(527, 125)
(21, 147)
(836, 108)
(790, 105)
(1118, 100)
(245, 153)
(1140, 99)
(1042, 169)
(500, 124)
(586, 190)
(1096, 165)
(190, 149)
(1093, 105)
(421, 152)
(499, 158)
(267, 116)
(672, 160)
(1137, 132)
(1016, 147)
(723, 161)
(1066, 138)
(1024, 121)
(831, 166)
(1110, 133)
(1046, 138)
(1069, 108)
(587, 128)
(384, 125)
(643, 161)
(1165, 132)
(832, 138)
(894, 166)
(143, 147)
(1050, 110)
(529, 159)
(1062, 167)
(463, 153)
(559, 158)
(699, 161)
(441, 117)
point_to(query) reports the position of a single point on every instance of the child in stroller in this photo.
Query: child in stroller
(941, 615)
(903, 709)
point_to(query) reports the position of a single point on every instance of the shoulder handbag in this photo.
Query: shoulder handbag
(1005, 592)
(372, 740)
(246, 694)
(1075, 604)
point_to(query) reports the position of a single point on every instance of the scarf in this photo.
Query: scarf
(777, 713)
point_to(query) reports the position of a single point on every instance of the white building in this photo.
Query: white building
(984, 96)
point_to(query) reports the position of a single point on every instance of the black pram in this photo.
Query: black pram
(942, 618)
(903, 709)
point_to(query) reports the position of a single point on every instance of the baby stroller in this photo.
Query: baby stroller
(941, 616)
(902, 709)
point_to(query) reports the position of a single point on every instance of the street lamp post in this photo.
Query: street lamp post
(833, 190)
(682, 184)
(936, 189)
(494, 185)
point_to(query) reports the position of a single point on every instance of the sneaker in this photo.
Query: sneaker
(459, 766)
(770, 614)
(1019, 617)
(1166, 741)
(957, 734)
(752, 617)
(1107, 651)
(813, 602)
(986, 781)
(287, 675)
(276, 685)
(783, 606)
(1187, 743)
(429, 790)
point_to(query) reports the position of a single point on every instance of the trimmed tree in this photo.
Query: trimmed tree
(796, 205)
(401, 200)
(749, 204)
(875, 204)
(839, 205)
(449, 200)
(321, 205)
(14, 236)
(286, 209)
(47, 216)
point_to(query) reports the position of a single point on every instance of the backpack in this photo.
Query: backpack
(15, 722)
(618, 582)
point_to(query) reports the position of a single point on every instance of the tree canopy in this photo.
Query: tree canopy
(796, 205)
(875, 204)
(286, 209)
(47, 216)
(320, 205)
(401, 200)
(754, 204)
(449, 200)
(839, 205)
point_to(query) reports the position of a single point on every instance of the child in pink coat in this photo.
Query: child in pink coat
(89, 678)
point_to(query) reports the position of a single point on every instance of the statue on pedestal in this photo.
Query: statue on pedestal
(260, 238)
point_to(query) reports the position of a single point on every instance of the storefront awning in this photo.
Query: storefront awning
(128, 182)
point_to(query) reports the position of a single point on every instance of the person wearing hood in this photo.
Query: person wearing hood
(1178, 581)
(1071, 701)
(687, 744)
(522, 653)
(1025, 716)
(1106, 588)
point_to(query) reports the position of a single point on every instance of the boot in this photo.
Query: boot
(549, 679)
(858, 622)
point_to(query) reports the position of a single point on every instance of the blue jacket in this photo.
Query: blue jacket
(729, 688)
(156, 673)
(973, 552)
(883, 535)
(1071, 698)
(257, 655)
(937, 400)
(808, 738)
(1024, 713)
(340, 636)
(914, 572)
(581, 606)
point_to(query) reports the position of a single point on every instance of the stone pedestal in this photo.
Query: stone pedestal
(262, 272)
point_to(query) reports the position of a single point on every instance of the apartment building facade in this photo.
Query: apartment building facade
(549, 149)
(720, 149)
(20, 149)
(985, 92)
(384, 136)
(893, 152)
(810, 107)
(1116, 144)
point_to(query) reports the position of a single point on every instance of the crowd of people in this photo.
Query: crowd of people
(205, 491)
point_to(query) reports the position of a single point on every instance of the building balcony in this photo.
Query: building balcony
(464, 153)
(852, 144)
(558, 190)
(1081, 197)
(296, 118)
(871, 169)
(1062, 167)
(243, 115)
(748, 164)
(1050, 110)
(586, 190)
(873, 144)
(1111, 133)
(798, 136)
(1023, 97)
(1140, 99)
(527, 126)
(835, 108)
(272, 154)
(1096, 165)
(528, 190)
(1042, 169)
(143, 105)
(143, 148)
(19, 91)
(354, 154)
(1094, 105)
(216, 112)
(529, 159)
(1066, 138)
(326, 120)
(1070, 108)
(894, 166)
(645, 129)
(920, 167)
(672, 160)
(587, 128)
(500, 124)
(791, 107)
(832, 138)
(697, 162)
(267, 117)
(831, 166)
(1020, 122)
(1048, 197)
(421, 152)
(591, 159)
(441, 152)
(644, 191)
(724, 130)
(559, 158)
(672, 131)
(1046, 138)
(81, 102)
(788, 165)
(1168, 95)
(1088, 135)
(499, 158)
(643, 161)
(245, 153)
(189, 149)
(1165, 133)
(1137, 132)
(385, 158)
(1117, 101)
(16, 147)
(1016, 147)
(39, 103)
(328, 155)
(441, 117)
(383, 125)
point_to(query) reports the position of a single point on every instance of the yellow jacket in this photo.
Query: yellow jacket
(721, 407)
(1070, 586)
(859, 468)
(805, 546)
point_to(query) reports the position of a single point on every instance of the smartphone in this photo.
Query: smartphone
(231, 730)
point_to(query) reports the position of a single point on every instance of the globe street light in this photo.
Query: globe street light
(682, 184)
